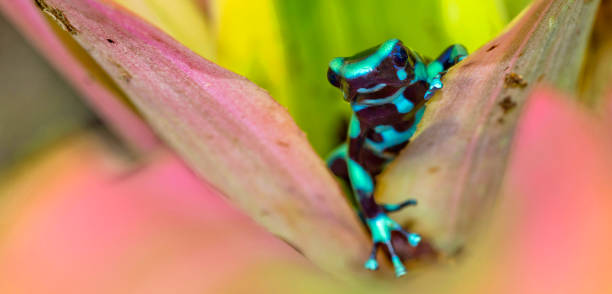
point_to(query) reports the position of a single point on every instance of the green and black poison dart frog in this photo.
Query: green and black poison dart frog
(387, 87)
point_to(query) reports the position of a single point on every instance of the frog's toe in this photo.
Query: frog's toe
(372, 263)
(381, 228)
(399, 267)
(413, 239)
(398, 206)
(434, 85)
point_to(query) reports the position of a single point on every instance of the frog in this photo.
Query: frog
(387, 87)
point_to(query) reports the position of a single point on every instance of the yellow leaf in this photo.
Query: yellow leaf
(470, 22)
(250, 43)
(181, 19)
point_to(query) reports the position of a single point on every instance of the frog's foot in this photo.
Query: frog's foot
(381, 227)
(434, 84)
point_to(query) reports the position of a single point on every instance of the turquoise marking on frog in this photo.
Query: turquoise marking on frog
(358, 107)
(371, 90)
(403, 105)
(354, 128)
(378, 101)
(434, 69)
(391, 137)
(420, 72)
(338, 153)
(431, 74)
(365, 65)
(402, 74)
(387, 87)
(362, 181)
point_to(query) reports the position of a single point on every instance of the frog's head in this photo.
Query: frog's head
(375, 73)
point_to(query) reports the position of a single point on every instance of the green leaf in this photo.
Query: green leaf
(317, 31)
(514, 7)
(472, 22)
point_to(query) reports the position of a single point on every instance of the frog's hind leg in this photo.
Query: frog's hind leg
(336, 162)
(379, 224)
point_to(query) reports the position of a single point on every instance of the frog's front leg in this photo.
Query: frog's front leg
(437, 68)
(375, 215)
(451, 56)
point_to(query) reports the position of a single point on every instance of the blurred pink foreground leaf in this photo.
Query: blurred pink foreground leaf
(101, 225)
(226, 128)
(560, 181)
(550, 232)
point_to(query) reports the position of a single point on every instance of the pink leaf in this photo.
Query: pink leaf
(226, 128)
(560, 192)
(550, 230)
(82, 220)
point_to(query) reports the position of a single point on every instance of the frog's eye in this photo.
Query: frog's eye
(333, 78)
(400, 56)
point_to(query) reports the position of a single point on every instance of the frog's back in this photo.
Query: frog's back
(390, 126)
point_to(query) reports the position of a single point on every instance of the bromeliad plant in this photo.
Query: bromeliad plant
(245, 145)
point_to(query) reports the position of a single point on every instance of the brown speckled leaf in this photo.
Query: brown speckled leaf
(456, 164)
(227, 129)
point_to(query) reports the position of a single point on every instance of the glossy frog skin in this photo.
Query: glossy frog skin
(387, 87)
